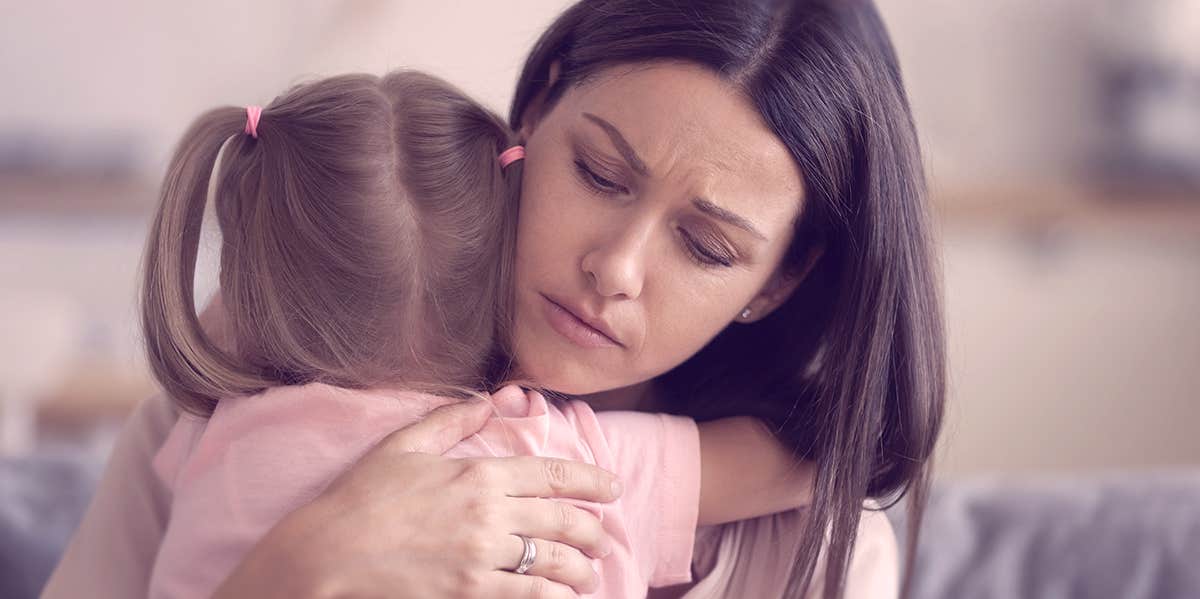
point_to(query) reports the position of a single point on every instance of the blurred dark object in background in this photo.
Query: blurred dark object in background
(1148, 55)
(1105, 535)
(42, 500)
(99, 155)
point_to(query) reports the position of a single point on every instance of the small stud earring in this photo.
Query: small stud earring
(745, 314)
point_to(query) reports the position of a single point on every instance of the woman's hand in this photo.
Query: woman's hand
(407, 522)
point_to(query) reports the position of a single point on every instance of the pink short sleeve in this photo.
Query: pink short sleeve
(657, 457)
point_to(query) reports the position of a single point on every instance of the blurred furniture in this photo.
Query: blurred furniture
(1121, 536)
(1073, 328)
(41, 333)
(42, 499)
(1148, 56)
(70, 249)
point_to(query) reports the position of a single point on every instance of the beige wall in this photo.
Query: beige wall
(1076, 351)
(1001, 90)
(149, 67)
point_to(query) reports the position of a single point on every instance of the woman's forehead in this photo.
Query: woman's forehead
(683, 102)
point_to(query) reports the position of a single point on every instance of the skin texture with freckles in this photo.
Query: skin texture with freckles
(640, 252)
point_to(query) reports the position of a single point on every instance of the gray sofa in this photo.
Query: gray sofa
(42, 499)
(1115, 535)
(1126, 536)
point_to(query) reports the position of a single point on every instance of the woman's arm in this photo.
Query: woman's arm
(113, 549)
(745, 472)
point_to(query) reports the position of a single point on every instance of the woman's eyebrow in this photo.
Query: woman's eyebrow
(720, 213)
(623, 146)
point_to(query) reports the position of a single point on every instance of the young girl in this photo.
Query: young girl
(368, 234)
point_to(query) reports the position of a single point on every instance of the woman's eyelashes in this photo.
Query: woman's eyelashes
(596, 182)
(705, 253)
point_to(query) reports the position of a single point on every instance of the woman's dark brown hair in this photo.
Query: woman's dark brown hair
(850, 372)
(367, 236)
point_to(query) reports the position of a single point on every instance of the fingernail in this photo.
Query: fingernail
(616, 488)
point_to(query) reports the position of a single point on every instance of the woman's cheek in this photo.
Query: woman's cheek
(670, 339)
(693, 324)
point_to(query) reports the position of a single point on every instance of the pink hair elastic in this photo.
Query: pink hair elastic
(511, 155)
(252, 114)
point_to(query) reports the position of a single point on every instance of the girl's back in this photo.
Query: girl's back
(234, 475)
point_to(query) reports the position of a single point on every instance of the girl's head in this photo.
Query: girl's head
(367, 236)
(690, 160)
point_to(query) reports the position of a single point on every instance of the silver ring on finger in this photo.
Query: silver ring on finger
(528, 557)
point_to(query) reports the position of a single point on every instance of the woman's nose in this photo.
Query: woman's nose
(616, 265)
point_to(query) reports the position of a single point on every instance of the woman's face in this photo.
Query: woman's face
(656, 206)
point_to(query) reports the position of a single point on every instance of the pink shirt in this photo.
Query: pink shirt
(233, 476)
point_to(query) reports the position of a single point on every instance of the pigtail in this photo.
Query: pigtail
(189, 365)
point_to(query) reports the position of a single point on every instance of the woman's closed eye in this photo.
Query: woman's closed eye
(598, 183)
(707, 252)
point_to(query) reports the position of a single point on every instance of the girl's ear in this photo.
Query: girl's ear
(778, 289)
(533, 112)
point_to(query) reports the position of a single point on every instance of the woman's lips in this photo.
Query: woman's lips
(575, 330)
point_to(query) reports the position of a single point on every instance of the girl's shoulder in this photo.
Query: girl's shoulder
(323, 422)
(322, 407)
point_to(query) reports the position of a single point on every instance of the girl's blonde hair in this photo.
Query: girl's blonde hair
(367, 235)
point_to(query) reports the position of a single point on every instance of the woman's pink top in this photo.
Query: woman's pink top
(233, 476)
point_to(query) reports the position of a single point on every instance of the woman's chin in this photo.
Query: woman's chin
(548, 361)
(569, 378)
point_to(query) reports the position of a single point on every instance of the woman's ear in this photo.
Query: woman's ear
(778, 289)
(533, 112)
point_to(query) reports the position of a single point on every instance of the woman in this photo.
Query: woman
(732, 193)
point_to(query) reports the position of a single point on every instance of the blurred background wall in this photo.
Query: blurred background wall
(1062, 140)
